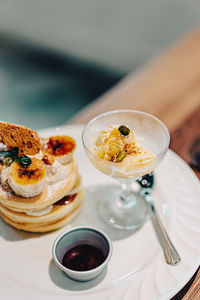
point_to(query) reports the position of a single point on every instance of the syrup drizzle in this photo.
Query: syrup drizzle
(66, 200)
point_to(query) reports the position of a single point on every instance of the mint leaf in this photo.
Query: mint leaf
(10, 153)
(23, 160)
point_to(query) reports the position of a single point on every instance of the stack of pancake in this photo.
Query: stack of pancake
(46, 194)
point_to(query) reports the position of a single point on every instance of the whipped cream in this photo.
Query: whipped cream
(3, 147)
(41, 212)
(56, 172)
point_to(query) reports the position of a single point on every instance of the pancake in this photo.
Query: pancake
(42, 191)
(50, 194)
(42, 228)
(58, 211)
(75, 189)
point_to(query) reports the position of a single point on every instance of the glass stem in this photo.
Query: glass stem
(127, 195)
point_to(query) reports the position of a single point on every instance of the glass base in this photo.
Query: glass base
(131, 214)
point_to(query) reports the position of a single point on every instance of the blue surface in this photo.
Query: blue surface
(41, 89)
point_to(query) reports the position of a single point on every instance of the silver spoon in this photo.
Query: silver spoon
(172, 256)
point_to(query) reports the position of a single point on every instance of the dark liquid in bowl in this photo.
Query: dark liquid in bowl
(83, 258)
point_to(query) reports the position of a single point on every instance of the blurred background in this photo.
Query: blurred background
(58, 56)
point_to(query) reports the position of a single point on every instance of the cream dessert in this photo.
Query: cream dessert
(120, 146)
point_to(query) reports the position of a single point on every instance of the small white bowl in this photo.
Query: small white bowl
(77, 236)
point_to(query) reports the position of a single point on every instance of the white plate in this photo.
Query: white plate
(137, 269)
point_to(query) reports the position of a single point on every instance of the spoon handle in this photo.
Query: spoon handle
(171, 254)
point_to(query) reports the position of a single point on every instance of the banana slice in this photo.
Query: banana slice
(27, 182)
(61, 147)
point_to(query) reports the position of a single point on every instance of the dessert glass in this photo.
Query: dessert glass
(122, 207)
